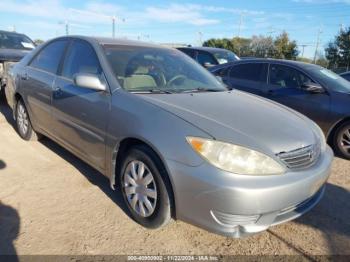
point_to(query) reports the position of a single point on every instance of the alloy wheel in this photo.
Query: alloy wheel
(22, 119)
(140, 188)
(345, 141)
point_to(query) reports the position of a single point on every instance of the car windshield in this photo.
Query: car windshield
(152, 69)
(15, 41)
(332, 80)
(224, 57)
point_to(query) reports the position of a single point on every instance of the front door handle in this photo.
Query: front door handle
(24, 76)
(57, 89)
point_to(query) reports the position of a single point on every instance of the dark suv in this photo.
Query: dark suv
(209, 56)
(312, 90)
(13, 47)
(346, 75)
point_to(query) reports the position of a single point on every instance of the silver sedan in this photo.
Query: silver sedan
(170, 136)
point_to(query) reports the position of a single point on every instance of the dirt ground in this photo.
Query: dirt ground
(53, 203)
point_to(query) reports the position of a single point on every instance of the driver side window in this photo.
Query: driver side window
(81, 58)
(281, 76)
(205, 58)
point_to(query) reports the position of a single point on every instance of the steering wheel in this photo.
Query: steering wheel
(175, 78)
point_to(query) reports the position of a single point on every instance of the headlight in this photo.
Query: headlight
(235, 159)
(320, 138)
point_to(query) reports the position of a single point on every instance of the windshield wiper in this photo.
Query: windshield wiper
(201, 89)
(160, 91)
(152, 90)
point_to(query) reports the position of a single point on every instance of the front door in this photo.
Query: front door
(286, 87)
(80, 114)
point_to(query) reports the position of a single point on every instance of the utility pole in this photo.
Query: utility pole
(239, 32)
(113, 26)
(302, 53)
(67, 27)
(240, 24)
(317, 44)
(200, 36)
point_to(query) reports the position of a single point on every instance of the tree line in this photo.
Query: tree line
(280, 47)
(337, 51)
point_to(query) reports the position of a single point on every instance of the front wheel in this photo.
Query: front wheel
(144, 188)
(342, 140)
(24, 126)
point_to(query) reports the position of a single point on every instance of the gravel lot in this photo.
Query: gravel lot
(53, 203)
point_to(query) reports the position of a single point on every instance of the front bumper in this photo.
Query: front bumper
(236, 205)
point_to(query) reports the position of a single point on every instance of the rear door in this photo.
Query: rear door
(38, 79)
(249, 77)
(80, 114)
(286, 87)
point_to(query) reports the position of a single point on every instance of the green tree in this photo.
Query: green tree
(38, 41)
(338, 51)
(240, 46)
(258, 46)
(285, 48)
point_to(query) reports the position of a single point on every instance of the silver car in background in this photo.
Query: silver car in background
(169, 136)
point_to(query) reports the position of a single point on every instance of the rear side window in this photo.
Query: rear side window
(251, 72)
(81, 58)
(204, 58)
(50, 56)
(188, 52)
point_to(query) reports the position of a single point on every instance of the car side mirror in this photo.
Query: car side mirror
(313, 88)
(89, 81)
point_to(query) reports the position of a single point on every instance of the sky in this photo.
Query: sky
(180, 22)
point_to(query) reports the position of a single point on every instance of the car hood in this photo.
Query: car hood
(241, 119)
(13, 55)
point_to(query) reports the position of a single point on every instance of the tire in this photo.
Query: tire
(24, 126)
(342, 140)
(157, 190)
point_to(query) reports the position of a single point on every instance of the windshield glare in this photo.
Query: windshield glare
(224, 57)
(332, 80)
(15, 41)
(146, 69)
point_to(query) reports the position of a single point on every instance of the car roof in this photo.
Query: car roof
(299, 64)
(203, 48)
(10, 32)
(112, 41)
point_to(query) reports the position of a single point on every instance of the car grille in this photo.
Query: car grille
(302, 157)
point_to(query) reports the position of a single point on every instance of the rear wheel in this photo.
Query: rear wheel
(24, 126)
(342, 140)
(144, 187)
